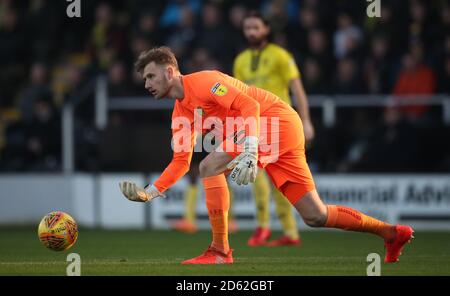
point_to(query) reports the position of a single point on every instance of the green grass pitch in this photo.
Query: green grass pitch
(160, 253)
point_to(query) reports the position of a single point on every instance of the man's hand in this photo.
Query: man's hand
(244, 166)
(308, 129)
(136, 193)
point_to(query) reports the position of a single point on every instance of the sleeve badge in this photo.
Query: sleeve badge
(219, 90)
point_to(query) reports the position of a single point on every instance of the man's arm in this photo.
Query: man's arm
(183, 143)
(244, 166)
(177, 168)
(298, 91)
(250, 110)
(217, 88)
(289, 70)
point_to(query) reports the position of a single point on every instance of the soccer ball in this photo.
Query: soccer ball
(58, 231)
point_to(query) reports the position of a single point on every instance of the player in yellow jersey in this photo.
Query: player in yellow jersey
(269, 66)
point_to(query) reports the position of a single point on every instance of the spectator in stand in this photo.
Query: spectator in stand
(392, 28)
(118, 85)
(307, 21)
(313, 78)
(441, 45)
(348, 79)
(235, 18)
(138, 44)
(107, 39)
(42, 21)
(347, 37)
(391, 147)
(38, 89)
(136, 85)
(74, 93)
(377, 68)
(12, 56)
(415, 78)
(201, 59)
(136, 8)
(43, 138)
(171, 14)
(35, 145)
(444, 25)
(318, 49)
(277, 12)
(213, 34)
(147, 27)
(419, 25)
(183, 34)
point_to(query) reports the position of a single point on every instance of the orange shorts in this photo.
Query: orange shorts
(281, 153)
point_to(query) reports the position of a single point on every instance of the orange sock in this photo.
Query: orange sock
(350, 219)
(218, 204)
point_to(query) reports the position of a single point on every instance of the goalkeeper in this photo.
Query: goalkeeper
(277, 145)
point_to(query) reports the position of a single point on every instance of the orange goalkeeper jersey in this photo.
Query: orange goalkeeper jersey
(218, 95)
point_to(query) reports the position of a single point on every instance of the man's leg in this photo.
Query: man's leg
(217, 203)
(316, 214)
(261, 189)
(232, 224)
(191, 203)
(188, 223)
(261, 192)
(286, 216)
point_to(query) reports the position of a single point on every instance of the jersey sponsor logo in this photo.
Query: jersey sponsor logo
(219, 90)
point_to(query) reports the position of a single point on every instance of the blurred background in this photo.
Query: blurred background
(75, 117)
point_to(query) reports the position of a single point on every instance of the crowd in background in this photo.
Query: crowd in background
(48, 59)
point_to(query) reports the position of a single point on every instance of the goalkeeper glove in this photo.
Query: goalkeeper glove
(244, 166)
(136, 193)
